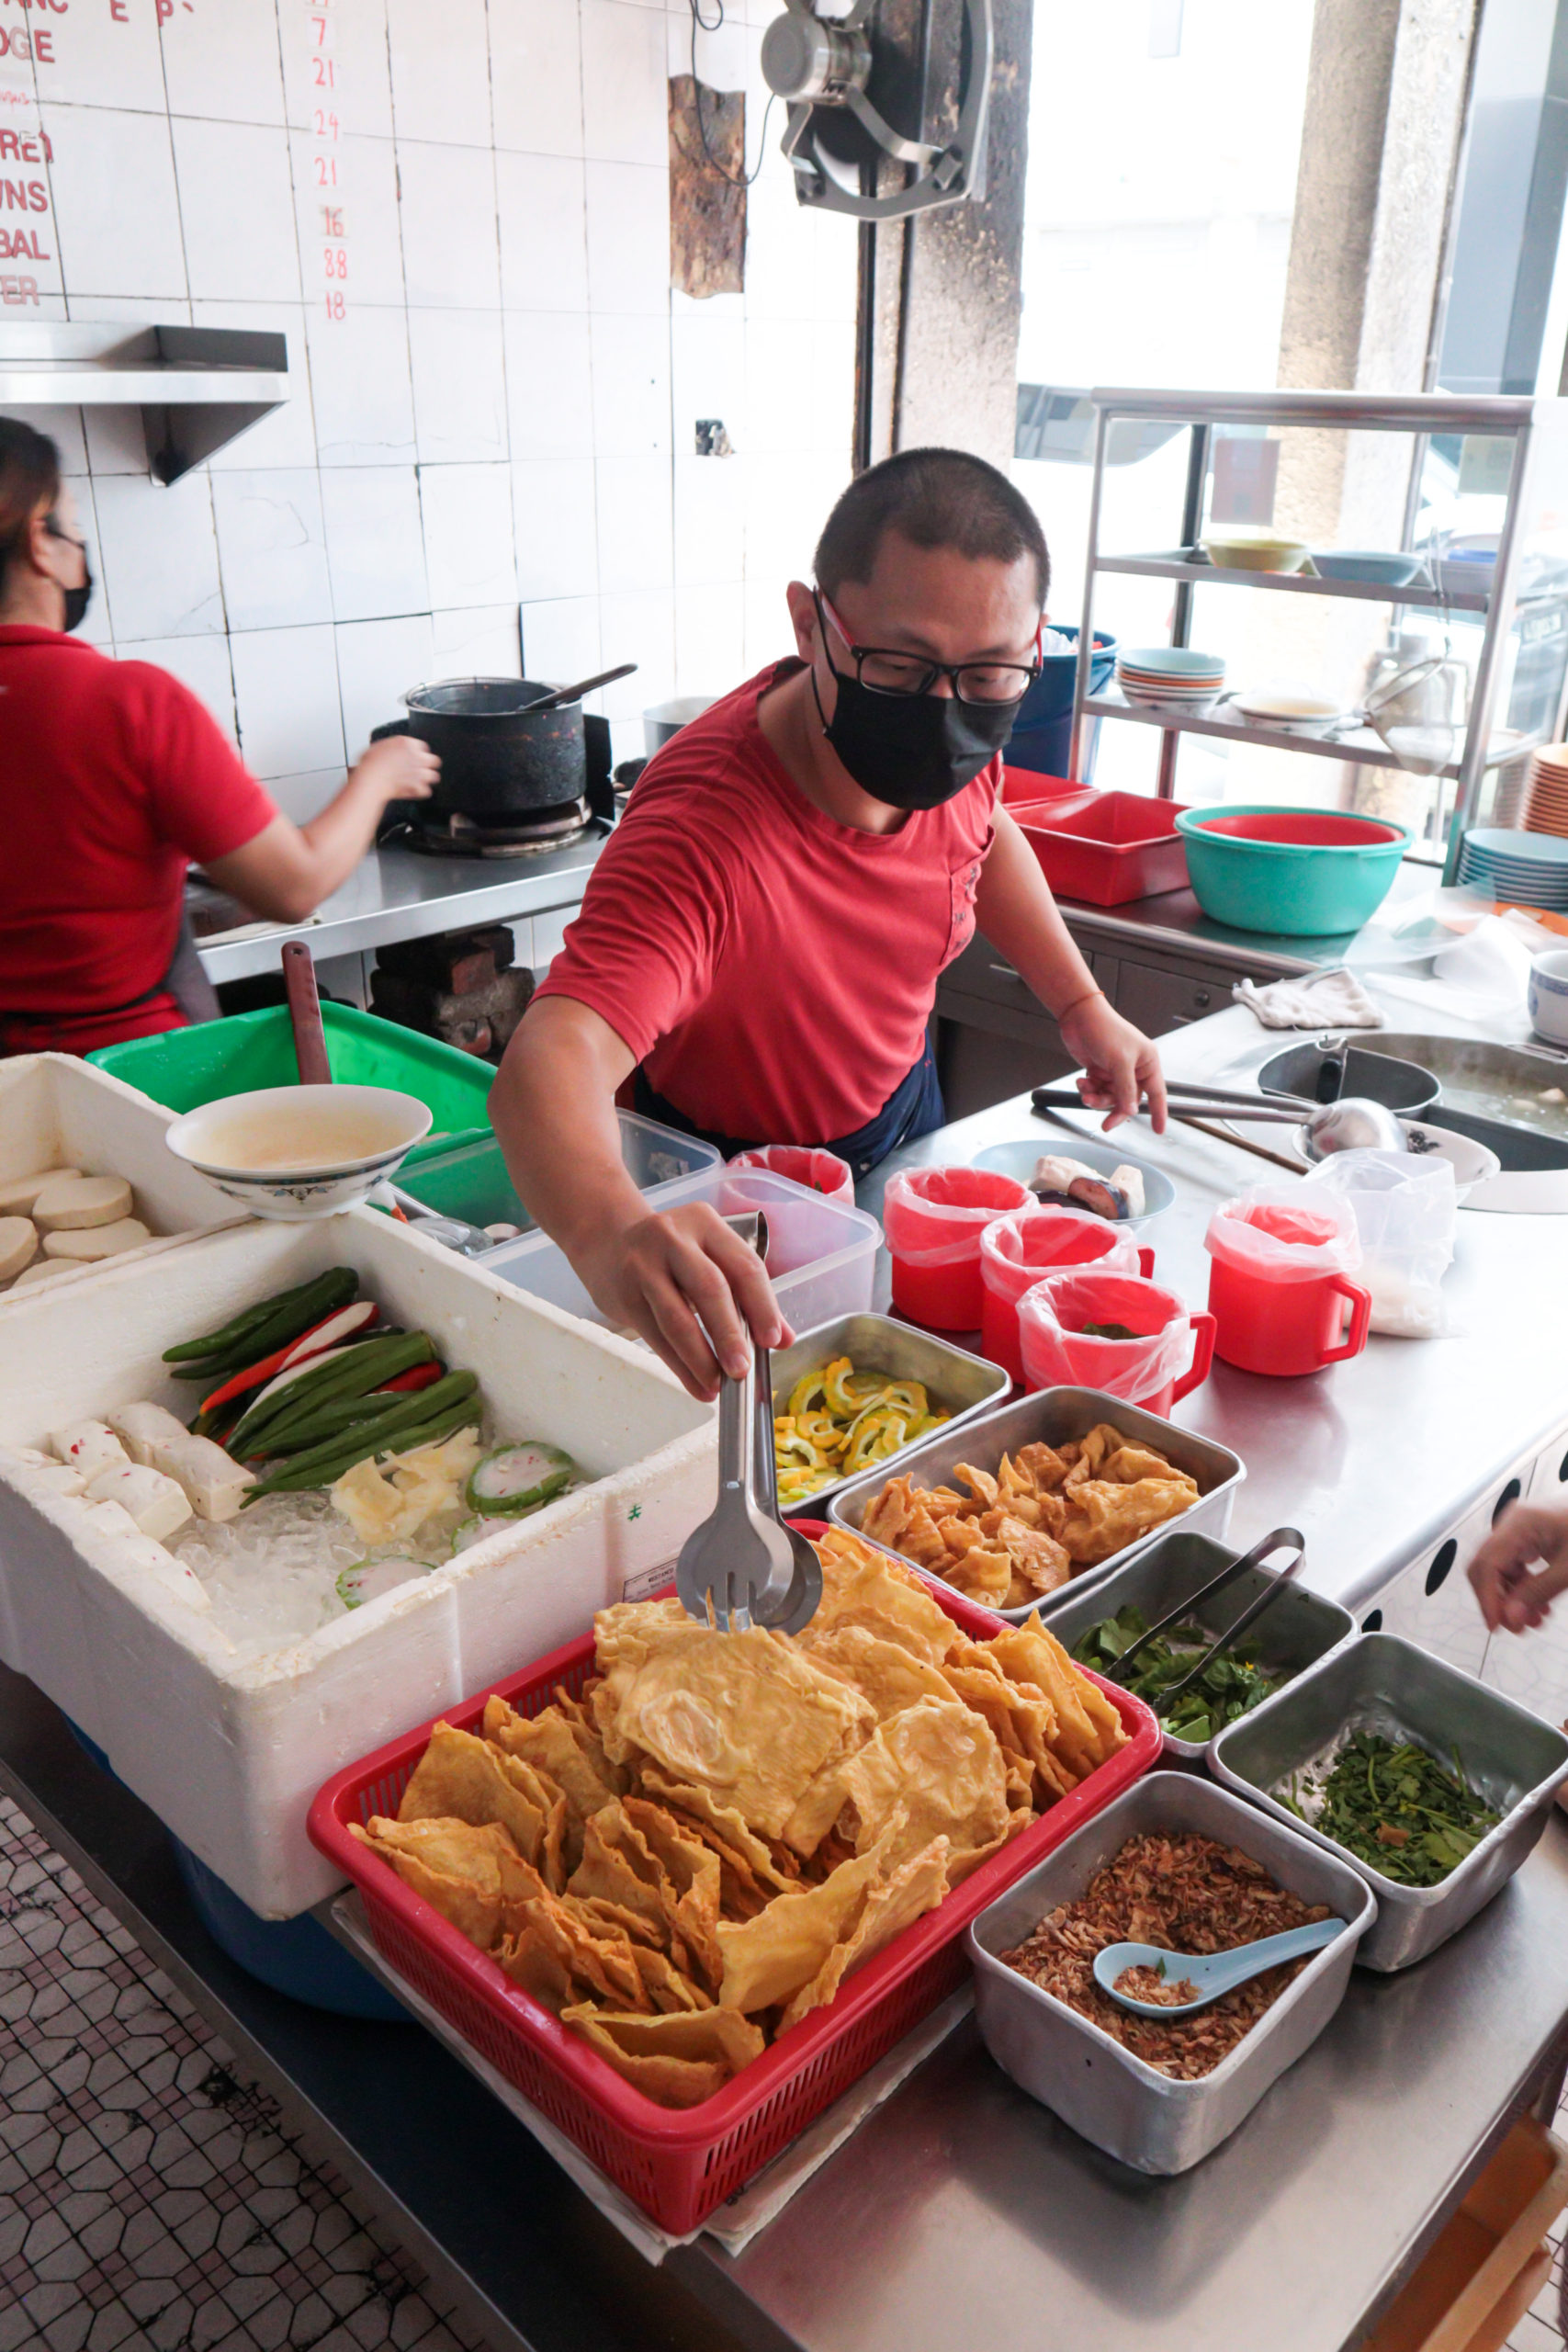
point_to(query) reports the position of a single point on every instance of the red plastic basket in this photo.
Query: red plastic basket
(1108, 849)
(681, 2165)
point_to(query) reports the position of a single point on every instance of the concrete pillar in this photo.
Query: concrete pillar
(945, 286)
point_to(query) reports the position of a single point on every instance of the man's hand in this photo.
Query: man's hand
(680, 1281)
(1509, 1595)
(1120, 1064)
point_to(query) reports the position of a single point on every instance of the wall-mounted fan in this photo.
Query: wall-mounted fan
(842, 82)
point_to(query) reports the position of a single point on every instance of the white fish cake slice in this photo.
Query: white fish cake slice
(215, 1482)
(19, 1245)
(157, 1504)
(71, 1203)
(89, 1446)
(17, 1193)
(142, 1427)
(84, 1245)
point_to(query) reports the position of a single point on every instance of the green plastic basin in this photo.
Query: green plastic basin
(1305, 872)
(182, 1069)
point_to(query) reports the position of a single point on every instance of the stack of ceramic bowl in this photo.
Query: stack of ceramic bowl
(1518, 869)
(1171, 675)
(1546, 801)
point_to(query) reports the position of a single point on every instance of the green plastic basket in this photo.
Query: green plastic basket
(182, 1069)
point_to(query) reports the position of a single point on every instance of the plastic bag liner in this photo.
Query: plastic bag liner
(1406, 1212)
(1058, 1354)
(934, 1217)
(819, 1170)
(1283, 1233)
(1018, 1250)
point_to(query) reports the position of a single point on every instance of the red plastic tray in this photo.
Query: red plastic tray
(1027, 787)
(1108, 848)
(681, 2165)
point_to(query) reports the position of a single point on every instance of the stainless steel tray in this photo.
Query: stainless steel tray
(1300, 1628)
(1380, 1683)
(962, 1384)
(1056, 1415)
(1144, 2117)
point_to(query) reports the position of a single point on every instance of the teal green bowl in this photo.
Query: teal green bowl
(1309, 873)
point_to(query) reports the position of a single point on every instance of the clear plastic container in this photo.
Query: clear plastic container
(472, 1182)
(821, 1253)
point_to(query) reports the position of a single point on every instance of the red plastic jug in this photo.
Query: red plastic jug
(1018, 1250)
(933, 1218)
(1278, 1284)
(1059, 1354)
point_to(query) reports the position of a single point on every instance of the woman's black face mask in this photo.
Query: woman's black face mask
(910, 751)
(76, 599)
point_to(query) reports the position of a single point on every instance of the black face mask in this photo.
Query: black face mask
(912, 751)
(76, 599)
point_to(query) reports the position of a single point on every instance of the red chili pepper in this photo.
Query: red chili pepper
(424, 1375)
(297, 1349)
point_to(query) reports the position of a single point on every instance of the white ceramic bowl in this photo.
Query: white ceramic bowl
(1548, 996)
(296, 1152)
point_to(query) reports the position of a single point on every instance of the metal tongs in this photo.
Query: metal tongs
(744, 1566)
(1279, 1539)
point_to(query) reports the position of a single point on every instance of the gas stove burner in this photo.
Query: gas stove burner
(458, 836)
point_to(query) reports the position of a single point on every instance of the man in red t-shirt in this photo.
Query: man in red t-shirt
(113, 779)
(760, 940)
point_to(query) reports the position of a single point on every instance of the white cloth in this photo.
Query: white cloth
(1324, 1000)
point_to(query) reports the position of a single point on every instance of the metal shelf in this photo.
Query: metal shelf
(1174, 566)
(1359, 744)
(197, 388)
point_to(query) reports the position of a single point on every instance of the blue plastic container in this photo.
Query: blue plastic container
(1308, 873)
(1042, 737)
(294, 1956)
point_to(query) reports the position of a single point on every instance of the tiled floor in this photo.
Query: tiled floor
(149, 2196)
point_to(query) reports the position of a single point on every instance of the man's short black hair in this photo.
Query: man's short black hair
(935, 498)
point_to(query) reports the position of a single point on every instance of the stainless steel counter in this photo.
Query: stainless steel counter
(402, 894)
(1378, 1459)
(1175, 922)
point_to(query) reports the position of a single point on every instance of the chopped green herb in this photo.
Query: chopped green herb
(1229, 1688)
(1391, 1805)
(1107, 1332)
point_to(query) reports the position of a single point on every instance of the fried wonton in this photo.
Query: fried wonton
(916, 1887)
(888, 1675)
(563, 1752)
(680, 2058)
(470, 1875)
(467, 1777)
(767, 1959)
(1089, 1728)
(940, 1768)
(745, 1715)
(862, 1587)
(553, 1944)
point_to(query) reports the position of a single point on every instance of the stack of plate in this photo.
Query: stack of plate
(1522, 869)
(1546, 802)
(1174, 674)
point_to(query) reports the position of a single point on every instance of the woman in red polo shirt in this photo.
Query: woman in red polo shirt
(760, 943)
(113, 779)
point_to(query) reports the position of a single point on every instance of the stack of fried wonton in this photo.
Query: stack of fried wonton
(686, 1860)
(1047, 1513)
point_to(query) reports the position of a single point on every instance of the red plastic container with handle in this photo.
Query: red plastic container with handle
(819, 1170)
(1019, 1249)
(933, 1218)
(1279, 1282)
(1059, 1354)
(681, 2164)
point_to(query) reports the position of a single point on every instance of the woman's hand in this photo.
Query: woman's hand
(1510, 1597)
(400, 767)
(1120, 1064)
(682, 1280)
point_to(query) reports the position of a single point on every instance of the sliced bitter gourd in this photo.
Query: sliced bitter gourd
(368, 1579)
(519, 1477)
(474, 1530)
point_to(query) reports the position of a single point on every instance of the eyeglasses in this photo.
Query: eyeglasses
(882, 672)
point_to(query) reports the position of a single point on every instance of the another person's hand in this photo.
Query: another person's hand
(680, 1281)
(1120, 1064)
(1511, 1596)
(400, 767)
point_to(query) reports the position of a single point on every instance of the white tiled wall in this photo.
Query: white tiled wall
(501, 420)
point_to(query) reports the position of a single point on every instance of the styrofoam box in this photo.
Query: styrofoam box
(821, 1253)
(57, 1112)
(229, 1753)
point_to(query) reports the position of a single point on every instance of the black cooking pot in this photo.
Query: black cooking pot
(499, 764)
